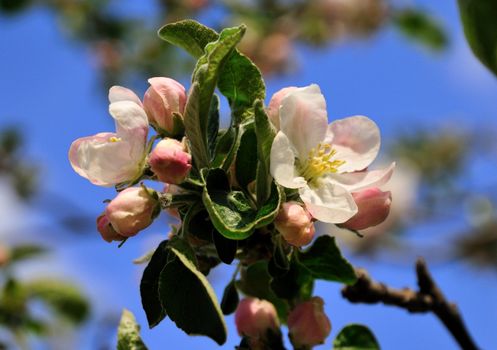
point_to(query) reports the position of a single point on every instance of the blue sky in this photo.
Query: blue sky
(50, 88)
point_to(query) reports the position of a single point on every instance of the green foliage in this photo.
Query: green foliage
(25, 252)
(189, 299)
(226, 248)
(324, 261)
(231, 212)
(355, 337)
(297, 283)
(128, 334)
(478, 18)
(230, 299)
(149, 286)
(419, 26)
(246, 163)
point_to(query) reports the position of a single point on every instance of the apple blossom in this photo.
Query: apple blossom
(162, 100)
(295, 224)
(106, 230)
(106, 159)
(170, 162)
(131, 211)
(324, 162)
(254, 317)
(308, 324)
(273, 109)
(373, 208)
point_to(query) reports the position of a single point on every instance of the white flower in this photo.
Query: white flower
(106, 159)
(324, 162)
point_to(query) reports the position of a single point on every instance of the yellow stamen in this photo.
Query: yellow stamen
(319, 162)
(114, 139)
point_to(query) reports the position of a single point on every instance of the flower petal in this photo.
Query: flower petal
(282, 163)
(303, 118)
(362, 179)
(329, 202)
(131, 120)
(356, 140)
(119, 93)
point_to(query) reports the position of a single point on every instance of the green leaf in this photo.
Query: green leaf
(246, 163)
(230, 299)
(242, 84)
(189, 35)
(355, 337)
(225, 247)
(255, 282)
(25, 252)
(324, 261)
(149, 286)
(478, 18)
(226, 148)
(189, 299)
(195, 128)
(297, 282)
(128, 333)
(64, 298)
(231, 211)
(418, 26)
(213, 125)
(265, 133)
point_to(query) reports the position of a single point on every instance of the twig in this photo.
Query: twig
(429, 298)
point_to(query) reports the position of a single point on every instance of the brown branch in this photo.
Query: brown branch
(429, 298)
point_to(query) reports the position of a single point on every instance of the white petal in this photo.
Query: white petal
(362, 179)
(282, 163)
(329, 202)
(119, 93)
(131, 119)
(303, 118)
(356, 141)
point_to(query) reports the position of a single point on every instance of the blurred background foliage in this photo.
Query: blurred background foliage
(438, 179)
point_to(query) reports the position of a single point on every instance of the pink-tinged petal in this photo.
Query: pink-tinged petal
(131, 120)
(119, 93)
(282, 164)
(356, 140)
(303, 118)
(273, 110)
(362, 179)
(329, 203)
(374, 207)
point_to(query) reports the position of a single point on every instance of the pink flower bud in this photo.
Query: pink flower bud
(373, 208)
(106, 230)
(295, 224)
(254, 317)
(131, 211)
(163, 98)
(169, 161)
(308, 324)
(273, 110)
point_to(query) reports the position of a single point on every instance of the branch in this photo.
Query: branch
(429, 298)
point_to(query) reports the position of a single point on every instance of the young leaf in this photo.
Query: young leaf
(246, 163)
(355, 337)
(149, 286)
(242, 84)
(230, 299)
(225, 247)
(213, 125)
(226, 148)
(25, 252)
(265, 134)
(255, 282)
(230, 211)
(478, 18)
(189, 35)
(297, 282)
(189, 299)
(128, 333)
(324, 261)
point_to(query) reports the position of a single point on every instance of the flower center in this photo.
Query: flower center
(319, 163)
(114, 139)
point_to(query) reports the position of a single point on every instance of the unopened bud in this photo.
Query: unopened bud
(170, 162)
(373, 208)
(131, 211)
(106, 230)
(254, 317)
(163, 98)
(308, 324)
(295, 224)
